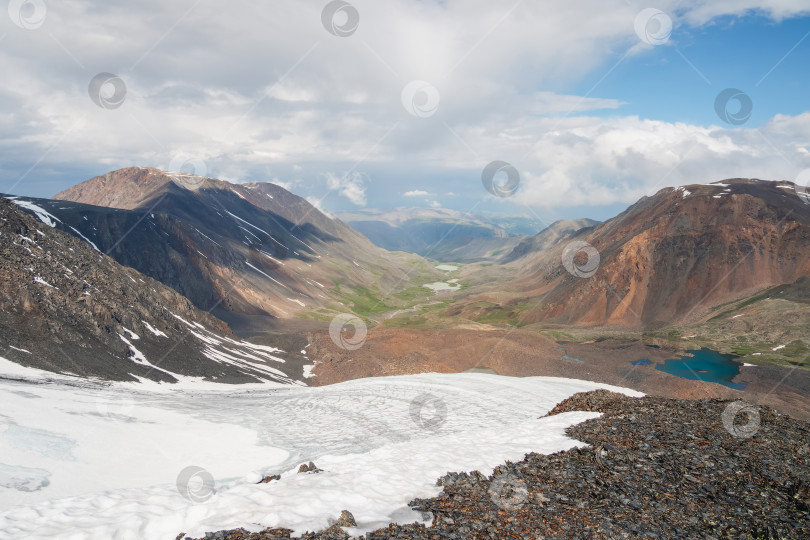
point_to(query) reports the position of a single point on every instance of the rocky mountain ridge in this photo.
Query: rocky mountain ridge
(670, 258)
(66, 307)
(255, 251)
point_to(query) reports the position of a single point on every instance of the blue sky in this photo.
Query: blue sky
(739, 52)
(408, 107)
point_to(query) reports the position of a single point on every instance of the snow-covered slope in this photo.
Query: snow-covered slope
(65, 307)
(82, 460)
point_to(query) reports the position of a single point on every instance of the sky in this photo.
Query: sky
(585, 106)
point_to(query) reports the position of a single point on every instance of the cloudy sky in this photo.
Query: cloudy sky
(589, 104)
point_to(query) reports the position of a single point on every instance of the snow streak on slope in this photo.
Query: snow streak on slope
(90, 461)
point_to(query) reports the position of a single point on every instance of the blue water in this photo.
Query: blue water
(705, 365)
(642, 362)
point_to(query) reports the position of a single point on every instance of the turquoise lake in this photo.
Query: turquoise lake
(705, 365)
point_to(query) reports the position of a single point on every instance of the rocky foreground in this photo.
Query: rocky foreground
(655, 468)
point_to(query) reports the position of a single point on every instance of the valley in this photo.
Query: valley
(182, 292)
(405, 269)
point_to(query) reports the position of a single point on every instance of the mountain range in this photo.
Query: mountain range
(249, 253)
(255, 261)
(670, 258)
(442, 234)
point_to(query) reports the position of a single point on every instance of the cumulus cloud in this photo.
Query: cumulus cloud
(280, 96)
(351, 186)
(416, 193)
(596, 161)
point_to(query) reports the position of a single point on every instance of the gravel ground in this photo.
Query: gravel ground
(655, 468)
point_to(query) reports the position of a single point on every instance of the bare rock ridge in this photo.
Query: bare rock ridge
(248, 249)
(672, 257)
(65, 307)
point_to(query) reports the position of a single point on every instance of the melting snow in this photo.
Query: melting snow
(137, 356)
(41, 214)
(41, 281)
(299, 302)
(441, 286)
(132, 335)
(154, 331)
(257, 228)
(84, 238)
(358, 433)
(779, 348)
(265, 274)
(308, 371)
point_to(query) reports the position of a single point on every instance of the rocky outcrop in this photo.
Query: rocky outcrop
(672, 257)
(66, 307)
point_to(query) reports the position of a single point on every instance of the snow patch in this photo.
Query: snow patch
(132, 335)
(357, 432)
(154, 331)
(83, 237)
(44, 216)
(41, 281)
(137, 356)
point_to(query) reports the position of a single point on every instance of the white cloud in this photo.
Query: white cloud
(282, 94)
(350, 186)
(282, 184)
(593, 161)
(317, 204)
(416, 193)
(435, 204)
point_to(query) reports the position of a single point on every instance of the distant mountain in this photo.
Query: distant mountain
(246, 250)
(669, 258)
(547, 238)
(440, 234)
(65, 307)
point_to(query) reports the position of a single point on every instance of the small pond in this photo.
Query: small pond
(705, 365)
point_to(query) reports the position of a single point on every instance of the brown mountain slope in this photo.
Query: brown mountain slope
(671, 257)
(254, 250)
(65, 307)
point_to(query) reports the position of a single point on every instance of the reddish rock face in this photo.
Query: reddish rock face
(672, 257)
